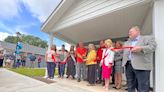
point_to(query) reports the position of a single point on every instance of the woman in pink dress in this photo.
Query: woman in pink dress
(107, 62)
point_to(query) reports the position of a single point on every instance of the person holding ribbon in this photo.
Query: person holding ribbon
(81, 52)
(71, 63)
(107, 62)
(63, 53)
(118, 65)
(99, 57)
(138, 60)
(91, 63)
(51, 60)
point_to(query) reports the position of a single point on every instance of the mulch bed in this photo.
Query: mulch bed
(43, 79)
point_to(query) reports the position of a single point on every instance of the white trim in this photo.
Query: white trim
(52, 14)
(57, 14)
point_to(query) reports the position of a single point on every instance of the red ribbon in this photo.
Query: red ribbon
(124, 47)
(53, 58)
(113, 49)
(64, 61)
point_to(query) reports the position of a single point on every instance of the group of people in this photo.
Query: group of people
(95, 66)
(21, 60)
(10, 60)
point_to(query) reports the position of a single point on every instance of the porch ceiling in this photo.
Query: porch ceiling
(111, 25)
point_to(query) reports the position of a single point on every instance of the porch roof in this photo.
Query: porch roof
(112, 24)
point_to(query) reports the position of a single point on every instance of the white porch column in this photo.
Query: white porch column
(159, 36)
(51, 39)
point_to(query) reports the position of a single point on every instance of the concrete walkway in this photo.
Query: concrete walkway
(13, 82)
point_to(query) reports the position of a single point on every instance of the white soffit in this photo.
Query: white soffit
(111, 25)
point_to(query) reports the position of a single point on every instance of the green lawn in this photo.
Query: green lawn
(29, 71)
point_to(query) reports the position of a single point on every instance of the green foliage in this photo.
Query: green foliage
(11, 39)
(36, 41)
(28, 39)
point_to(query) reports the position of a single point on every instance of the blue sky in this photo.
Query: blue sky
(26, 16)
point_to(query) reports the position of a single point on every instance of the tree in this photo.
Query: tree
(28, 39)
(11, 39)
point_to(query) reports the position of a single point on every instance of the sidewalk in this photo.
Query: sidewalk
(13, 82)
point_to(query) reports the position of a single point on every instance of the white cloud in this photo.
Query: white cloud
(41, 9)
(9, 8)
(3, 35)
